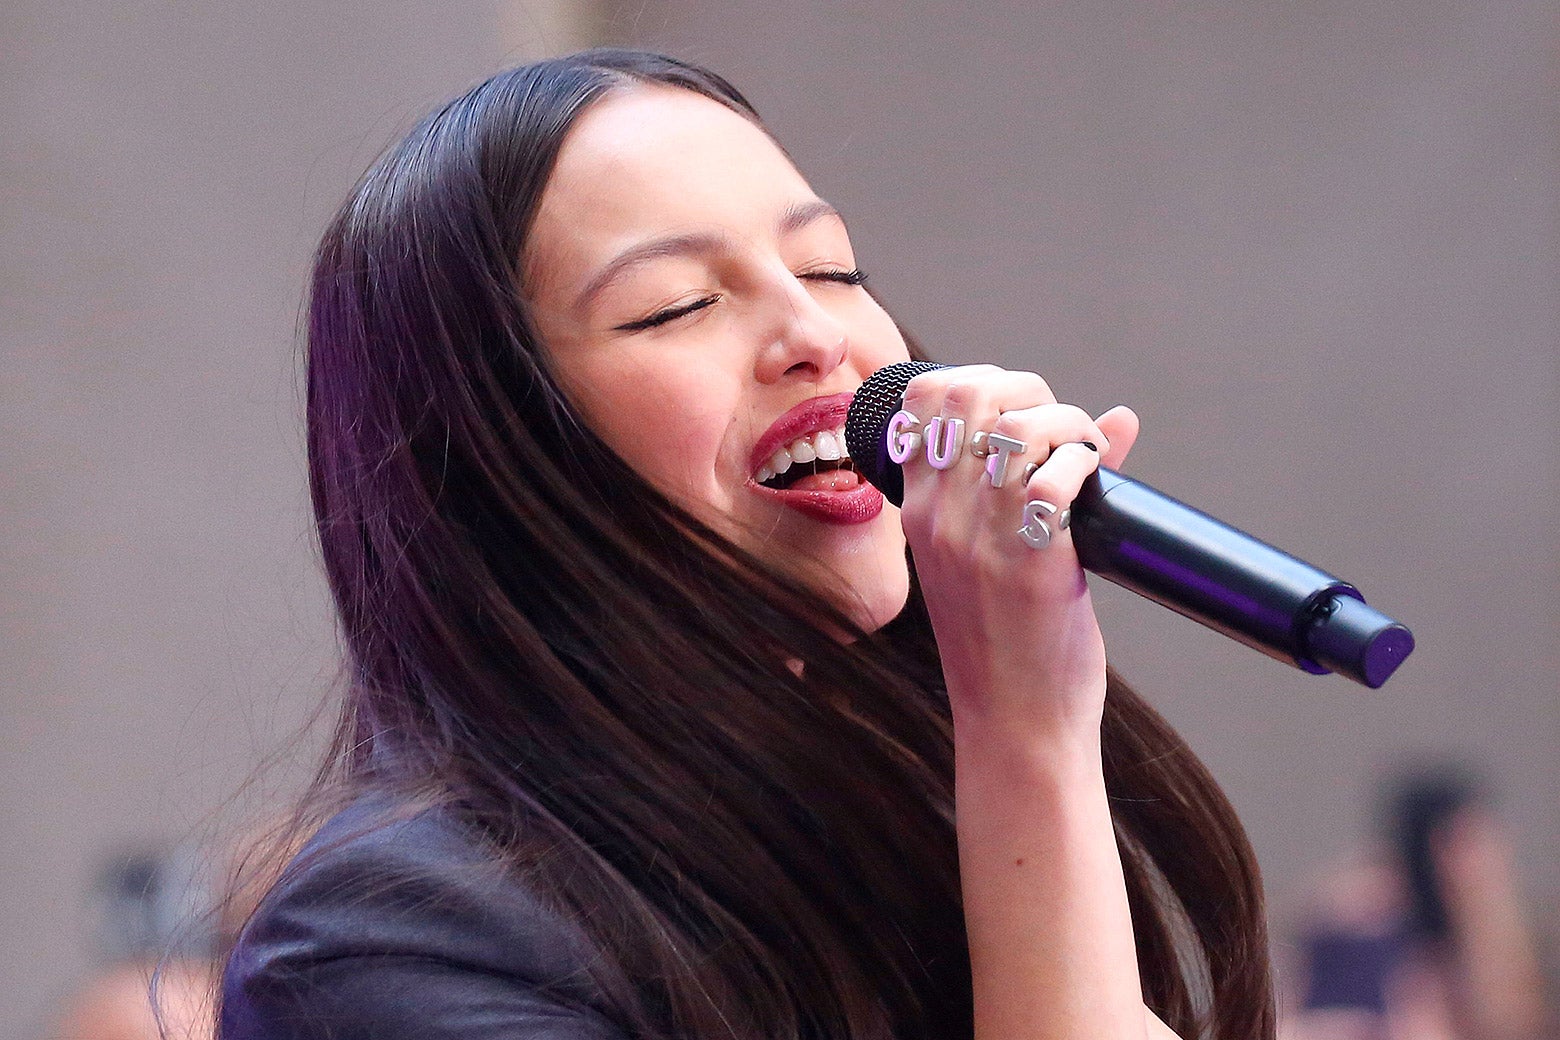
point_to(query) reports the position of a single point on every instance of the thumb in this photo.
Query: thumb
(1120, 427)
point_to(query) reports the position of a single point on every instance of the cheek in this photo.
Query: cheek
(670, 430)
(878, 341)
(676, 448)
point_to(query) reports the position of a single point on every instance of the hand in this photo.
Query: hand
(1019, 641)
(1045, 901)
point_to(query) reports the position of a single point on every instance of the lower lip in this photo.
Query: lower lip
(855, 506)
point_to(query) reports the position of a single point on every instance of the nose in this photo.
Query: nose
(804, 340)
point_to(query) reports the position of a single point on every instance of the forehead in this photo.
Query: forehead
(647, 160)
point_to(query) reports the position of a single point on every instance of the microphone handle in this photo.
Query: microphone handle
(1184, 559)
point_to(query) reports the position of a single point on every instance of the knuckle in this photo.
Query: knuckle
(1015, 423)
(917, 397)
(927, 382)
(1076, 417)
(1041, 388)
(961, 397)
(1056, 423)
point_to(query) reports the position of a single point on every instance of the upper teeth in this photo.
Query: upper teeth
(828, 445)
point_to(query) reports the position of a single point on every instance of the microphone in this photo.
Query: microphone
(1162, 549)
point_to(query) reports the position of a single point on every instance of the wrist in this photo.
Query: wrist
(1063, 756)
(1025, 713)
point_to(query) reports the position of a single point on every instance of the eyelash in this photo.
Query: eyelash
(854, 276)
(670, 314)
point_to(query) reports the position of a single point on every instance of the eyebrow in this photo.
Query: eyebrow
(796, 216)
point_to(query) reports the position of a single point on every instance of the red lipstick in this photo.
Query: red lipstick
(819, 413)
(852, 501)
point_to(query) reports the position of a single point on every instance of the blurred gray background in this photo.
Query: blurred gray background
(1313, 243)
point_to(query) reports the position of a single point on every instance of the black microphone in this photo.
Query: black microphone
(1181, 558)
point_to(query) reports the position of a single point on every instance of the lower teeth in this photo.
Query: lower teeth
(846, 480)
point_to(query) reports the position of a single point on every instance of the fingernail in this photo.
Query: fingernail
(1089, 445)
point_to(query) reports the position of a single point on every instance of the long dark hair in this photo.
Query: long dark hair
(604, 688)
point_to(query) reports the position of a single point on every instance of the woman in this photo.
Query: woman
(651, 730)
(1425, 937)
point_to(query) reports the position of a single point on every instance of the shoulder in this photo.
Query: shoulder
(385, 915)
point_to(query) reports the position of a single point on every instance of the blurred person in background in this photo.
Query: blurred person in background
(160, 930)
(1428, 938)
(152, 924)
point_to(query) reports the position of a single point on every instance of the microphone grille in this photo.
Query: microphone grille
(866, 425)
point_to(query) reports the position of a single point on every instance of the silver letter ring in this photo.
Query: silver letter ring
(944, 436)
(1001, 449)
(1035, 532)
(903, 437)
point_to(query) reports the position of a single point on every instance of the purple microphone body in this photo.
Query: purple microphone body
(1181, 558)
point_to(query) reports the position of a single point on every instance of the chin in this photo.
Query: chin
(862, 568)
(878, 615)
(880, 600)
(872, 592)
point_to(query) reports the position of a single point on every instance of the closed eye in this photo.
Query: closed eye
(661, 317)
(854, 276)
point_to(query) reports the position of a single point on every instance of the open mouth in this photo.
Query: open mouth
(801, 463)
(813, 462)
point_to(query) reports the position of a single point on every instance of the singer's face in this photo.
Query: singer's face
(701, 306)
